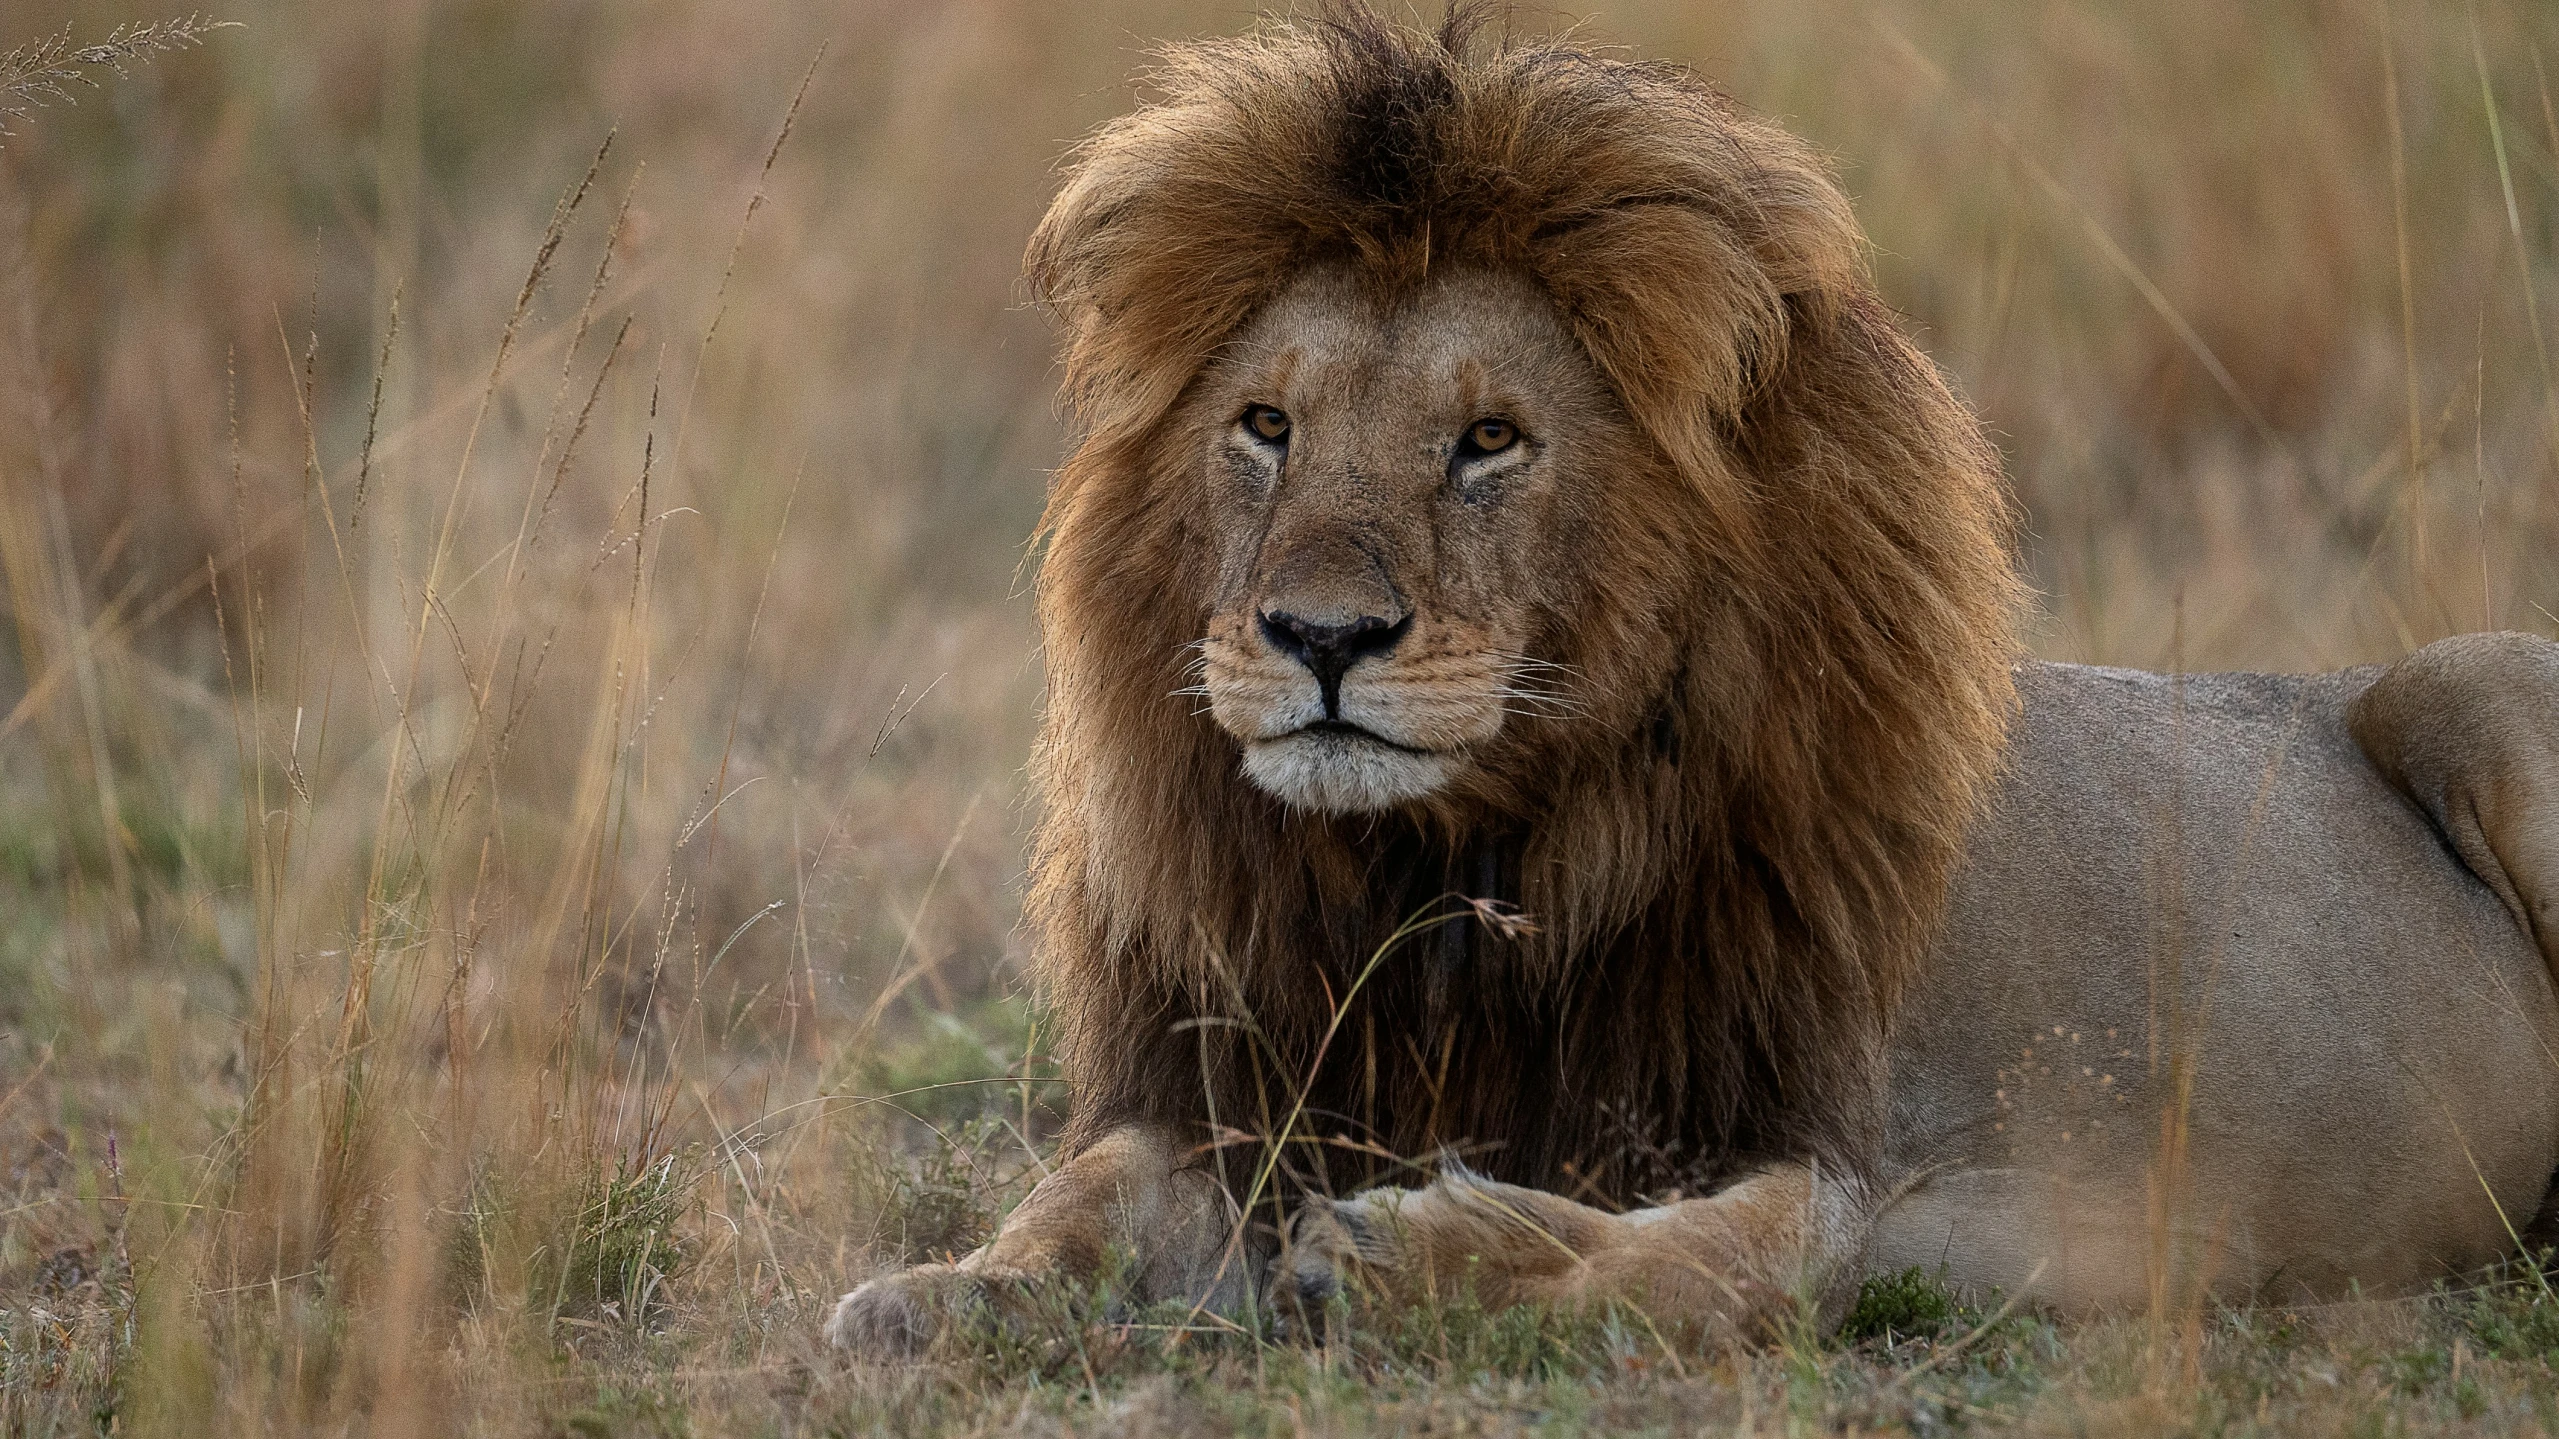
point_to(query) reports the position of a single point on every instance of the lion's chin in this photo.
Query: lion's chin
(1338, 772)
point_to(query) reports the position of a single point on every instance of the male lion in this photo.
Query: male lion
(1507, 445)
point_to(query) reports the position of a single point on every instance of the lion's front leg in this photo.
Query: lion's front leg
(1128, 1193)
(1736, 1264)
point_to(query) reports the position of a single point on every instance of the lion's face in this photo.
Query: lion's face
(1396, 488)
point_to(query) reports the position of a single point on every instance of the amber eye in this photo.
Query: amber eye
(1491, 437)
(1268, 422)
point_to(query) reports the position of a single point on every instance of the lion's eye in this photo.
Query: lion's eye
(1269, 422)
(1491, 437)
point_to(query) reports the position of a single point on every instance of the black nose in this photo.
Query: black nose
(1330, 650)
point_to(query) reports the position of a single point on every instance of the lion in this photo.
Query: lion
(1543, 797)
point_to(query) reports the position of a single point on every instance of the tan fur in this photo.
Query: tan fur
(2239, 991)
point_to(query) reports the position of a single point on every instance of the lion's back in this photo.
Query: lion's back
(2207, 871)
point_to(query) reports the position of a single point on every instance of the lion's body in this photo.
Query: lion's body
(2210, 877)
(1507, 444)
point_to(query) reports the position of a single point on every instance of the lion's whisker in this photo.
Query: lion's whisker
(1543, 697)
(1513, 659)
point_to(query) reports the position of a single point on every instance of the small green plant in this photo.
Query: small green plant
(940, 1203)
(948, 1068)
(1910, 1305)
(606, 1247)
(2510, 1313)
(624, 1245)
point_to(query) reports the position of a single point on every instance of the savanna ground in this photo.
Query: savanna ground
(510, 790)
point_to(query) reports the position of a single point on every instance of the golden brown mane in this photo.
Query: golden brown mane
(1731, 893)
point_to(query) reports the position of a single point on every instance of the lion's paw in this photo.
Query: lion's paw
(899, 1315)
(1338, 1250)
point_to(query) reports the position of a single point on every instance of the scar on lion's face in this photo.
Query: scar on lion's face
(1390, 479)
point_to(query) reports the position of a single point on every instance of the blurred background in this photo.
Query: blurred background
(499, 779)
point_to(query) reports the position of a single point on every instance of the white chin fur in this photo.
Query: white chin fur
(1342, 774)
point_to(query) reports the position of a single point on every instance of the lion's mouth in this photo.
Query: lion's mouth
(1343, 768)
(1344, 729)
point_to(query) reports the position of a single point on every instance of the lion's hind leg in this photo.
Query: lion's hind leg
(2468, 728)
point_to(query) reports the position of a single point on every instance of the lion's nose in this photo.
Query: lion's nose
(1331, 649)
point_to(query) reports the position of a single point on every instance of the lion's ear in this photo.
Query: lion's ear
(1800, 227)
(1673, 307)
(1150, 265)
(1096, 235)
(1696, 308)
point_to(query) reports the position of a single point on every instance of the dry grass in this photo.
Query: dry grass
(47, 70)
(508, 786)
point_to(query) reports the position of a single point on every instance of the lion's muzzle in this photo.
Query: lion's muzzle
(1349, 716)
(1329, 650)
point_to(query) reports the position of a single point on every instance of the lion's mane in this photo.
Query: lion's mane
(1729, 896)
